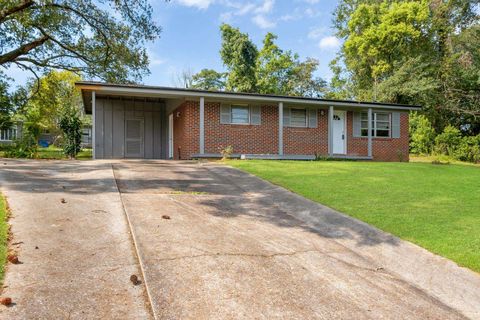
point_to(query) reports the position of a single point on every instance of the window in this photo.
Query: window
(240, 114)
(298, 117)
(380, 124)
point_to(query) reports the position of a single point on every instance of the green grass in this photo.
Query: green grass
(434, 206)
(57, 153)
(3, 236)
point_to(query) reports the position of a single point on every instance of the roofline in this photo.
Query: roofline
(169, 91)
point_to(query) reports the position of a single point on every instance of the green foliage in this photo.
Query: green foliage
(71, 126)
(422, 134)
(208, 79)
(102, 39)
(270, 70)
(25, 147)
(239, 55)
(468, 149)
(447, 142)
(6, 106)
(416, 52)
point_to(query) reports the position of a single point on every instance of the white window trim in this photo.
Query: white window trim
(306, 117)
(249, 114)
(374, 125)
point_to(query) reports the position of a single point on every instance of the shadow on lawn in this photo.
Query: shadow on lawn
(227, 192)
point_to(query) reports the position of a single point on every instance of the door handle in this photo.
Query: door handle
(343, 136)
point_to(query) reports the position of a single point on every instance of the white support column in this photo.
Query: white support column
(280, 128)
(330, 131)
(202, 125)
(93, 124)
(369, 132)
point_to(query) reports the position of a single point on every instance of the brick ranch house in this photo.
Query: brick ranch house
(136, 121)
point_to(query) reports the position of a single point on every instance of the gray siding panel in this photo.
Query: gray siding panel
(157, 135)
(148, 136)
(99, 129)
(118, 149)
(108, 129)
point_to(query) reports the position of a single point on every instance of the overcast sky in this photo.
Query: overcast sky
(190, 39)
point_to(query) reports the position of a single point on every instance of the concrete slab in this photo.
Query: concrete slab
(238, 247)
(234, 247)
(76, 253)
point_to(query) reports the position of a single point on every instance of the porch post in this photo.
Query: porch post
(280, 128)
(93, 125)
(369, 132)
(202, 125)
(330, 131)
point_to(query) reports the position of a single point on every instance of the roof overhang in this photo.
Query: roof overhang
(151, 92)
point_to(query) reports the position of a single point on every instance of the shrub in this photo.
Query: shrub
(422, 134)
(468, 149)
(26, 147)
(71, 125)
(226, 152)
(448, 141)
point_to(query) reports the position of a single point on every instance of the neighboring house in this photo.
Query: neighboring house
(134, 121)
(8, 136)
(87, 137)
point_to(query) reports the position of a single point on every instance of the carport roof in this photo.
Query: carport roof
(144, 91)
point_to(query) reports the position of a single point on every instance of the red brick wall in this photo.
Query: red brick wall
(263, 139)
(186, 130)
(250, 139)
(307, 141)
(383, 149)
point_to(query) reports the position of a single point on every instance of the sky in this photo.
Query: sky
(190, 38)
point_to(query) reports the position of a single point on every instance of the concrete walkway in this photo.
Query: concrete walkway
(214, 243)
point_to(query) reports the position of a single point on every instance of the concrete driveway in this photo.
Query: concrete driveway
(212, 243)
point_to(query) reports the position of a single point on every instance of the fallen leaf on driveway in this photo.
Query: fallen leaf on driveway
(134, 279)
(13, 259)
(6, 301)
(63, 201)
(165, 217)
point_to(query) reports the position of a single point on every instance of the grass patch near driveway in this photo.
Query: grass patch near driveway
(3, 236)
(434, 206)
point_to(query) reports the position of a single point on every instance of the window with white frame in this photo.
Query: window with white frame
(8, 134)
(298, 117)
(381, 124)
(240, 114)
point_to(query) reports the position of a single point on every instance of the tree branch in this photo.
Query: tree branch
(9, 11)
(23, 49)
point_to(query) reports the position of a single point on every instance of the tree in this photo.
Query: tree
(209, 79)
(56, 95)
(239, 55)
(71, 126)
(6, 106)
(418, 52)
(270, 70)
(105, 39)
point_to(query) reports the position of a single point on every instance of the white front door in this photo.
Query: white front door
(339, 134)
(170, 136)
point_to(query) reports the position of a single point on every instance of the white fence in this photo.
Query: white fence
(8, 134)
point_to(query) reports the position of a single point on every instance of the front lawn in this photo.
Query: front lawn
(3, 236)
(434, 206)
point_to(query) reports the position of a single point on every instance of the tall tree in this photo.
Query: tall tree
(56, 96)
(102, 39)
(270, 70)
(422, 52)
(209, 79)
(239, 55)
